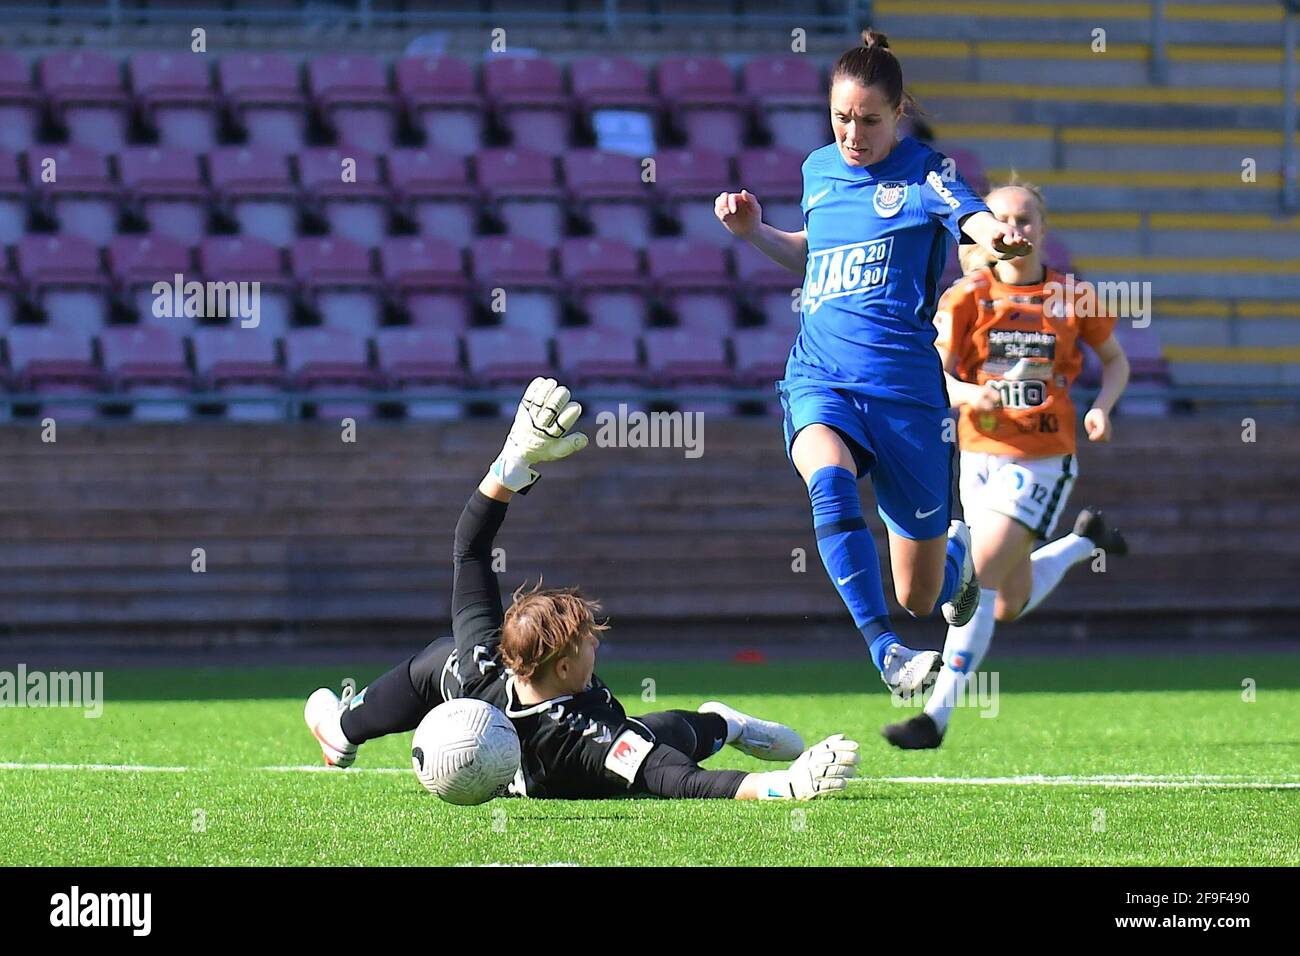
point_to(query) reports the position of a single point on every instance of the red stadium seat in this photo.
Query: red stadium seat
(690, 359)
(605, 278)
(239, 364)
(176, 98)
(334, 362)
(505, 357)
(164, 184)
(423, 360)
(148, 362)
(53, 360)
(788, 96)
(264, 97)
(248, 259)
(607, 189)
(13, 199)
(687, 181)
(428, 276)
(701, 94)
(82, 197)
(771, 289)
(524, 192)
(20, 104)
(64, 278)
(87, 97)
(521, 268)
(611, 82)
(440, 96)
(340, 283)
(137, 262)
(433, 188)
(527, 94)
(253, 185)
(776, 177)
(356, 208)
(761, 355)
(599, 356)
(351, 93)
(696, 282)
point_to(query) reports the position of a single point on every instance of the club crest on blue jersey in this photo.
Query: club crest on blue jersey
(889, 198)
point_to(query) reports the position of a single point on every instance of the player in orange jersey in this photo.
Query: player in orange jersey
(1010, 337)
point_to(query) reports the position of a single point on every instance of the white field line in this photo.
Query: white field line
(1167, 781)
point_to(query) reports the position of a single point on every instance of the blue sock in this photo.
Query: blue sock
(849, 553)
(956, 556)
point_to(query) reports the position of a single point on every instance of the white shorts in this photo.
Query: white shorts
(1033, 491)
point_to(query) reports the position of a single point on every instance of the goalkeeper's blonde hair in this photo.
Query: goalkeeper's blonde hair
(543, 625)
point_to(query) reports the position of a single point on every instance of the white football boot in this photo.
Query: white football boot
(323, 713)
(966, 599)
(764, 739)
(907, 671)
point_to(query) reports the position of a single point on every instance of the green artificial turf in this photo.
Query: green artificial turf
(1147, 761)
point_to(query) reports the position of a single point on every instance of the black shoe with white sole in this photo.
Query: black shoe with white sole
(915, 733)
(1091, 524)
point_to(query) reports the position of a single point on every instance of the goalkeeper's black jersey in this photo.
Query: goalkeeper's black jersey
(578, 746)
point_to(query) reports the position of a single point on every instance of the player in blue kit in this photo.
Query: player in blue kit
(864, 390)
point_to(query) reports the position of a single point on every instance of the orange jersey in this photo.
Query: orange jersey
(1004, 335)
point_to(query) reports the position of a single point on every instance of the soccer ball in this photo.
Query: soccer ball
(465, 751)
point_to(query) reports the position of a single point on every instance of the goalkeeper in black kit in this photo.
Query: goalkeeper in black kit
(535, 663)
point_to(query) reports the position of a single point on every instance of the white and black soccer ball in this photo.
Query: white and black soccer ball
(465, 751)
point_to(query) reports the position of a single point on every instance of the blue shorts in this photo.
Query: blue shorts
(901, 446)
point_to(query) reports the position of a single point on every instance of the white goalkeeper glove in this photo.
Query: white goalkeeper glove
(540, 433)
(822, 768)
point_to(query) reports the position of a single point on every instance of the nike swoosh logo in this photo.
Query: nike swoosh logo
(812, 200)
(844, 581)
(926, 514)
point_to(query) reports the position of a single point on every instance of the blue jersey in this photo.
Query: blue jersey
(878, 239)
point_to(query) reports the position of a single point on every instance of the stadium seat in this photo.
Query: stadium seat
(263, 97)
(789, 100)
(55, 361)
(20, 104)
(252, 184)
(521, 268)
(164, 186)
(63, 276)
(769, 288)
(351, 93)
(333, 362)
(694, 280)
(605, 280)
(775, 176)
(339, 283)
(147, 361)
(527, 95)
(9, 296)
(1056, 254)
(701, 95)
(761, 355)
(522, 188)
(601, 359)
(86, 96)
(694, 360)
(237, 363)
(606, 188)
(246, 259)
(504, 358)
(424, 360)
(356, 208)
(433, 188)
(137, 262)
(175, 97)
(687, 181)
(82, 196)
(611, 82)
(441, 99)
(13, 199)
(428, 277)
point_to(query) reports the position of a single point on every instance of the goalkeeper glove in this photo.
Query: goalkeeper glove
(540, 433)
(820, 769)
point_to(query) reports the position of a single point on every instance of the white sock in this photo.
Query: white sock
(964, 647)
(1050, 562)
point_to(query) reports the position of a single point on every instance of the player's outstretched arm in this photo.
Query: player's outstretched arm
(1114, 379)
(741, 214)
(823, 768)
(996, 237)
